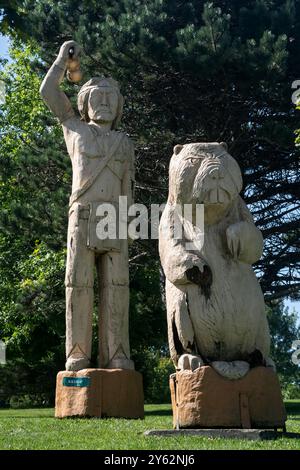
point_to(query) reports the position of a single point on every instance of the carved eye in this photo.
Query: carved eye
(195, 160)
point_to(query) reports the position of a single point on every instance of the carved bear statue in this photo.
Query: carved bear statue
(215, 306)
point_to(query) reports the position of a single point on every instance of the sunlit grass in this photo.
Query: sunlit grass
(38, 429)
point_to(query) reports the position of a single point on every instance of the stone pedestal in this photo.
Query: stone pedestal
(205, 399)
(99, 393)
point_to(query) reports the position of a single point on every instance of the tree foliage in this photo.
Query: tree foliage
(195, 71)
(190, 71)
(284, 331)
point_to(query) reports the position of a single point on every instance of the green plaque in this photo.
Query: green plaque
(76, 381)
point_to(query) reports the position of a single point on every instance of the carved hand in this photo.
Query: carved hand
(56, 100)
(244, 241)
(234, 240)
(64, 52)
(201, 278)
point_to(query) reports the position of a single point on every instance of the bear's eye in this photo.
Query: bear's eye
(195, 160)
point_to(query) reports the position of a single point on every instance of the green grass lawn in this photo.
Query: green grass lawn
(38, 429)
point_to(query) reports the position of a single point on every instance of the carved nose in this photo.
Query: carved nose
(104, 99)
(216, 173)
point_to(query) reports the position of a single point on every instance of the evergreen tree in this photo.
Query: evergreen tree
(198, 71)
(284, 331)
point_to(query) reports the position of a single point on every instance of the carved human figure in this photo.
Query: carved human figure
(103, 169)
(215, 306)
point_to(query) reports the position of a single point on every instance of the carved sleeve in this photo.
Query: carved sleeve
(128, 180)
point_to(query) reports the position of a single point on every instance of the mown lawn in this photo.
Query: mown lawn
(38, 429)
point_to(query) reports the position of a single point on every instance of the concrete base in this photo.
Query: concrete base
(205, 399)
(99, 393)
(249, 434)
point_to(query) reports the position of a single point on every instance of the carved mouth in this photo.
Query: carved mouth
(102, 113)
(217, 196)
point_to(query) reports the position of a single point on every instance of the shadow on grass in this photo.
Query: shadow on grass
(291, 435)
(158, 412)
(292, 408)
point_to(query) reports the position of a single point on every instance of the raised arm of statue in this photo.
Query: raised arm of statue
(53, 96)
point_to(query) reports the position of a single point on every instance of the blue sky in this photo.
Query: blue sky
(4, 47)
(4, 44)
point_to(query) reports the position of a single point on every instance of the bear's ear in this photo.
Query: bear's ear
(177, 149)
(224, 145)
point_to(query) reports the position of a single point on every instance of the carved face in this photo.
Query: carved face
(100, 100)
(204, 174)
(103, 104)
